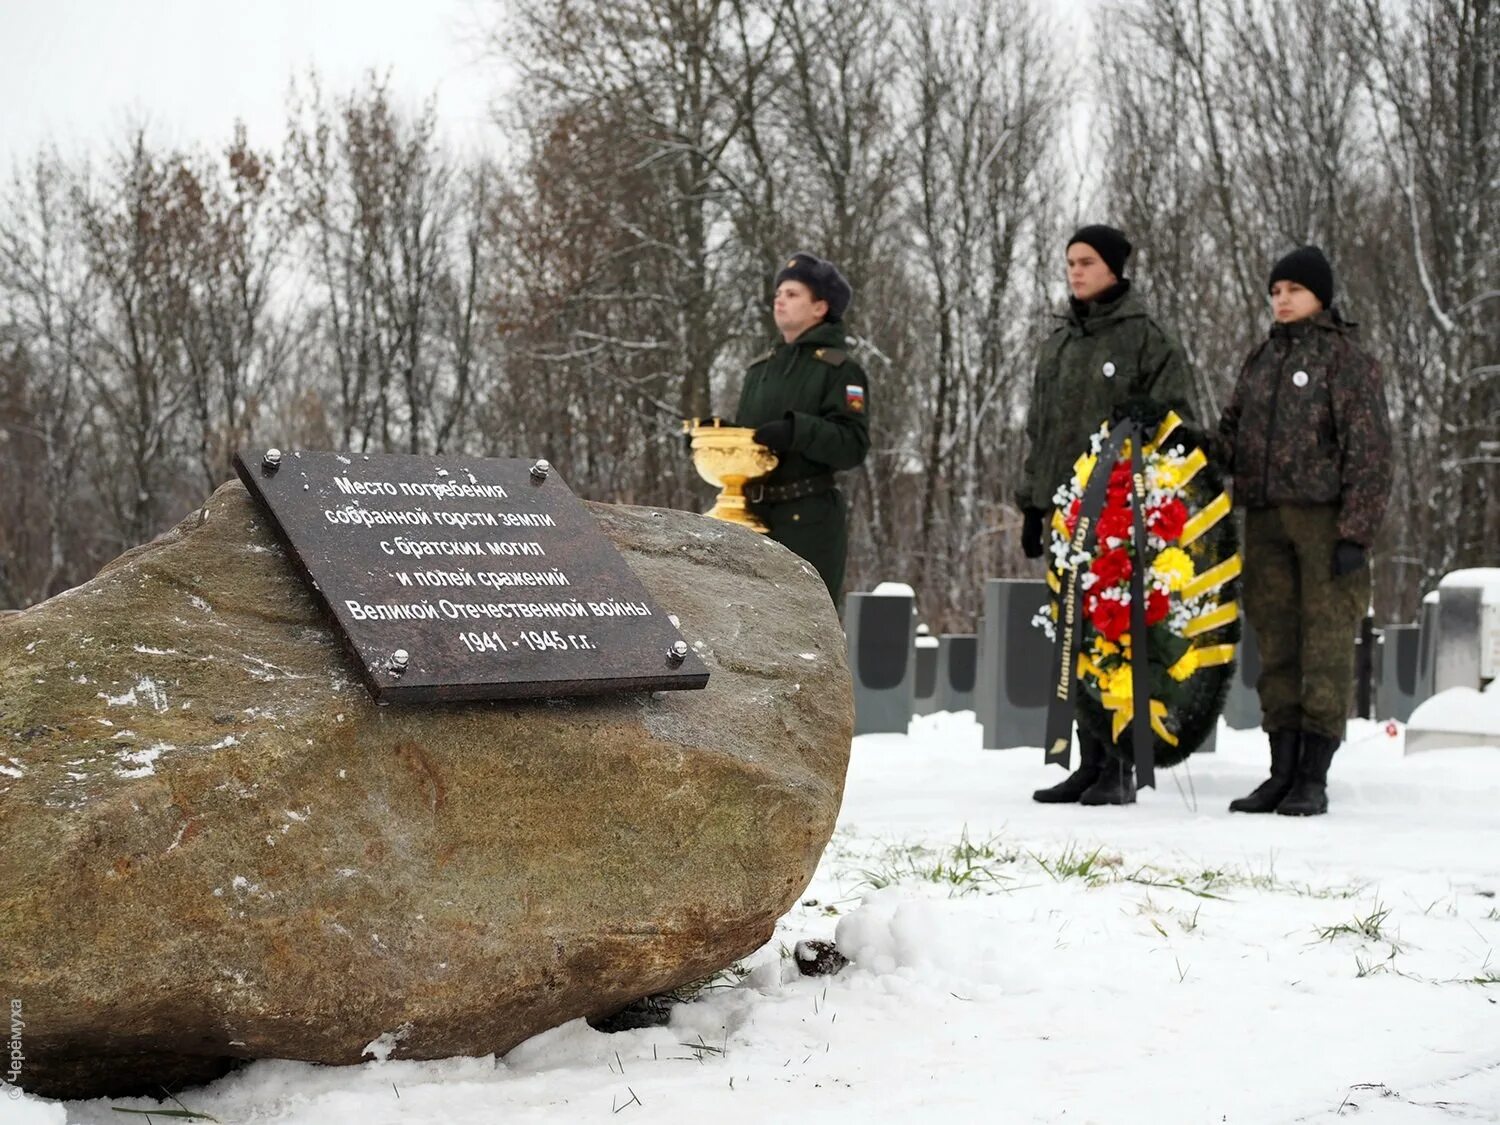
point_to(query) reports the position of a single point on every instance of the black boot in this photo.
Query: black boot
(1068, 790)
(1116, 784)
(1309, 795)
(1271, 792)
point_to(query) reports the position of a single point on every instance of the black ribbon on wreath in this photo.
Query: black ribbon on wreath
(1061, 707)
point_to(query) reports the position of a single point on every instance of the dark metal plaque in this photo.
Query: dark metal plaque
(454, 578)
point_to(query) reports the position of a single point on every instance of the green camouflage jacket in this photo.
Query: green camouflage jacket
(1103, 354)
(814, 382)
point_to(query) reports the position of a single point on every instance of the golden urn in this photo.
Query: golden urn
(728, 457)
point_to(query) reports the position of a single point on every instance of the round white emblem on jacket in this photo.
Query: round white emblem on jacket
(1109, 370)
(1300, 379)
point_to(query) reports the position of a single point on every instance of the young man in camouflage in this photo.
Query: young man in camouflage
(808, 401)
(1308, 438)
(1106, 351)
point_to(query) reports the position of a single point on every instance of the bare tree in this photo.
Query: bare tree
(1434, 72)
(48, 298)
(392, 229)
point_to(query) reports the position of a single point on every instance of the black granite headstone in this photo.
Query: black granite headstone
(1427, 657)
(1016, 664)
(1400, 686)
(1242, 705)
(1366, 668)
(467, 578)
(957, 660)
(925, 696)
(881, 632)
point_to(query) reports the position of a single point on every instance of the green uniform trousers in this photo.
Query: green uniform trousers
(816, 528)
(1304, 618)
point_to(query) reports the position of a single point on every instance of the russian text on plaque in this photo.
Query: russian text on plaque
(454, 578)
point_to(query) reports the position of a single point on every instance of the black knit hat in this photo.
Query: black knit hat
(823, 278)
(1111, 245)
(1309, 268)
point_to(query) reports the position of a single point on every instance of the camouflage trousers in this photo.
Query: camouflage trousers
(1304, 618)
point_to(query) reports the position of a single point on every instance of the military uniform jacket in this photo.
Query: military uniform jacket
(824, 392)
(1104, 353)
(1307, 424)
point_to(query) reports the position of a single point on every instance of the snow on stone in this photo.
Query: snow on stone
(12, 768)
(147, 650)
(1485, 577)
(142, 762)
(1461, 710)
(245, 888)
(265, 672)
(894, 590)
(382, 1045)
(146, 690)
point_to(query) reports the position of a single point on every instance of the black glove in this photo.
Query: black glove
(1139, 408)
(1348, 556)
(1031, 532)
(775, 436)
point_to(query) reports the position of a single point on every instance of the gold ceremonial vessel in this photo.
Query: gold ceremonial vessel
(729, 458)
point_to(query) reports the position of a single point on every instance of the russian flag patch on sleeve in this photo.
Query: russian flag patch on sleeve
(854, 398)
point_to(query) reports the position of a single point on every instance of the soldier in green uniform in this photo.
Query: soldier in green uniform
(1308, 436)
(1107, 350)
(808, 401)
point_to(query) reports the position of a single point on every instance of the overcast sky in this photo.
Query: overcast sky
(75, 72)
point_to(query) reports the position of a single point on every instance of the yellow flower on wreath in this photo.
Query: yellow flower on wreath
(1083, 468)
(1088, 667)
(1169, 474)
(1185, 667)
(1174, 568)
(1119, 683)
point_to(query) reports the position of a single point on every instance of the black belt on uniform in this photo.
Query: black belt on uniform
(758, 493)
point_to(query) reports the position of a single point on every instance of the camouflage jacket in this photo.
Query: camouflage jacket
(1308, 425)
(814, 382)
(1104, 353)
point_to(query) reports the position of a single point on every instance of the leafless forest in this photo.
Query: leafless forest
(605, 271)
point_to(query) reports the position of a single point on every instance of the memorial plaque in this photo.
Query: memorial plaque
(460, 578)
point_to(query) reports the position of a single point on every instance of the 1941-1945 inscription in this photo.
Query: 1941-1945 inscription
(465, 578)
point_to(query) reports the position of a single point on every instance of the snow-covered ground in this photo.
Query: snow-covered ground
(1016, 962)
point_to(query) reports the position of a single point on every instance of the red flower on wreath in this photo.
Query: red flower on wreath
(1114, 524)
(1168, 519)
(1157, 605)
(1121, 484)
(1110, 617)
(1112, 568)
(1071, 519)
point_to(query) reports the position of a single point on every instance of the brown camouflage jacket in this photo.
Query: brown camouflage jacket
(1308, 425)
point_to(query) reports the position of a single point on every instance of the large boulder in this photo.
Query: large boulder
(217, 847)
